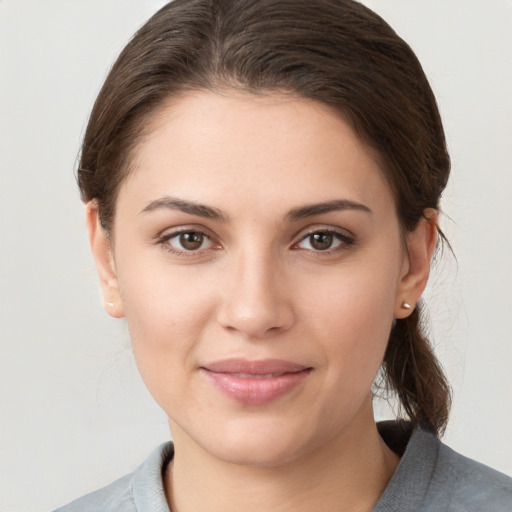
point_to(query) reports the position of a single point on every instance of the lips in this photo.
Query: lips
(255, 382)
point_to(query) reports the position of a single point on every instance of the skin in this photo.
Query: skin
(257, 287)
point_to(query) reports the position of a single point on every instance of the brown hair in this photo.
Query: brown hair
(337, 52)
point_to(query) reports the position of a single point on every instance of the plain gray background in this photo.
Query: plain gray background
(74, 414)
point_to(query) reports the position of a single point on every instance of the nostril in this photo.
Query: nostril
(256, 322)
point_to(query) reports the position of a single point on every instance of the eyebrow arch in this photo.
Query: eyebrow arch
(329, 206)
(192, 208)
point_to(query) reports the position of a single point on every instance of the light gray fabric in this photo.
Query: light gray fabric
(433, 478)
(430, 478)
(140, 491)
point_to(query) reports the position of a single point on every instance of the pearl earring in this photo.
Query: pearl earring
(406, 305)
(111, 304)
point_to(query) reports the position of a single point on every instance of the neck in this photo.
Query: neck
(349, 473)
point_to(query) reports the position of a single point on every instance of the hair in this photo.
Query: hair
(337, 52)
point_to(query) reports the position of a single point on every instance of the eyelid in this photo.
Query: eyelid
(323, 228)
(168, 233)
(344, 236)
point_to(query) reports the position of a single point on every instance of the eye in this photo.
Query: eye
(186, 241)
(324, 240)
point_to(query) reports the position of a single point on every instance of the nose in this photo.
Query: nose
(256, 299)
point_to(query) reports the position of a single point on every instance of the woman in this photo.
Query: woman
(262, 181)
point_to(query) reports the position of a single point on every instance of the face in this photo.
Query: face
(259, 262)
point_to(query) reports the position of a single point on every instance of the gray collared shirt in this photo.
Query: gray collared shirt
(430, 478)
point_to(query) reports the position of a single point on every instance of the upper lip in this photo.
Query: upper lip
(258, 367)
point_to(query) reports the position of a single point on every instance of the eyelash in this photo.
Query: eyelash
(164, 241)
(344, 240)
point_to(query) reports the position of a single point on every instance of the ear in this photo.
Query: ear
(421, 244)
(102, 252)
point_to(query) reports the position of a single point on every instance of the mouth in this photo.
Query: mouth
(255, 382)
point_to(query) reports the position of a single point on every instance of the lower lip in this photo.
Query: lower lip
(255, 390)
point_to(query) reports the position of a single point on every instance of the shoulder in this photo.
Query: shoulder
(140, 491)
(113, 498)
(431, 477)
(470, 486)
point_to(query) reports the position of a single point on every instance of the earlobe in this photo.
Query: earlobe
(102, 252)
(421, 244)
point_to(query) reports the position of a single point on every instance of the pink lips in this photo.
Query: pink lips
(255, 382)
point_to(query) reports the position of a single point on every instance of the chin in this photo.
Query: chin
(258, 443)
(258, 454)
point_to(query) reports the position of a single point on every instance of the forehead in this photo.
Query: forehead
(272, 150)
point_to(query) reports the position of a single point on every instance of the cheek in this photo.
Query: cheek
(357, 297)
(161, 303)
(352, 319)
(166, 315)
(348, 325)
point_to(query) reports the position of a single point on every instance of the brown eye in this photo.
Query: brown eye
(187, 241)
(321, 241)
(191, 241)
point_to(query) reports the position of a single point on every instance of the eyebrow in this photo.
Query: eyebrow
(209, 212)
(329, 206)
(189, 207)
